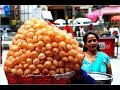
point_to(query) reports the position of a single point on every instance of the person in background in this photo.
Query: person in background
(68, 29)
(77, 30)
(5, 34)
(94, 60)
(90, 27)
(82, 32)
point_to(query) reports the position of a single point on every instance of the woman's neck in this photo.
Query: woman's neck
(92, 52)
(91, 55)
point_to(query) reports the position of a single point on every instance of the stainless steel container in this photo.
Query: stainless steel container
(102, 78)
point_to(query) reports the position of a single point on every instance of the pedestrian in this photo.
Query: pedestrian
(82, 32)
(5, 34)
(77, 30)
(68, 29)
(94, 60)
(90, 27)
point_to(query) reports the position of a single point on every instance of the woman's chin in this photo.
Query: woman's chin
(93, 49)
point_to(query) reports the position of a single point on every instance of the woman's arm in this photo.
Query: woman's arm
(108, 64)
(109, 69)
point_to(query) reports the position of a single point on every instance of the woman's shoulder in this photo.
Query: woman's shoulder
(103, 54)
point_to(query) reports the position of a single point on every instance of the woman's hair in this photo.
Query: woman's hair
(85, 40)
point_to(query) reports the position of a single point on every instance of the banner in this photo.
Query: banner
(107, 45)
(4, 9)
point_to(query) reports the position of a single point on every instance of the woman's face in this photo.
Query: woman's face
(91, 42)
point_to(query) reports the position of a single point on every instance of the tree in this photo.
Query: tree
(80, 14)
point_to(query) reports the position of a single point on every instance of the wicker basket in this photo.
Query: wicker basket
(39, 79)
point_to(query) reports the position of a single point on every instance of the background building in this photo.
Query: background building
(21, 13)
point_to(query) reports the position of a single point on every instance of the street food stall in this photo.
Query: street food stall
(43, 59)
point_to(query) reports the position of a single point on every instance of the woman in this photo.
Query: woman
(95, 60)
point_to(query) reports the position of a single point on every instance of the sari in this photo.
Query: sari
(99, 65)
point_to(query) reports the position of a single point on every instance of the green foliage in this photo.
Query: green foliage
(80, 14)
(110, 24)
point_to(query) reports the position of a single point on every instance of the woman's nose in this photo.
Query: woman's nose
(92, 42)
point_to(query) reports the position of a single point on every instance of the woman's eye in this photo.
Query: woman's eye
(89, 41)
(94, 40)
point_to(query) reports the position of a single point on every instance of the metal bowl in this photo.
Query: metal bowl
(102, 78)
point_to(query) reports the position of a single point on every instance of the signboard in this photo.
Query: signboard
(107, 45)
(114, 29)
(0, 50)
(47, 15)
(102, 45)
(38, 13)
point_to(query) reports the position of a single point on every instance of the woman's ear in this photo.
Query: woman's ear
(85, 48)
(85, 45)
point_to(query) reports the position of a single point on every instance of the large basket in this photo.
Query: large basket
(39, 79)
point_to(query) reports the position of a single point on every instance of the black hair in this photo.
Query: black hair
(85, 40)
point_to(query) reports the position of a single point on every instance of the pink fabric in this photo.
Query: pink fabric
(93, 17)
(107, 10)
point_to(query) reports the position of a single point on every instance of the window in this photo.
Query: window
(5, 21)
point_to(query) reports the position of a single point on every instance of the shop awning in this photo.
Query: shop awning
(103, 11)
(107, 10)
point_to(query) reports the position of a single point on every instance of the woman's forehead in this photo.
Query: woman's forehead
(91, 36)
